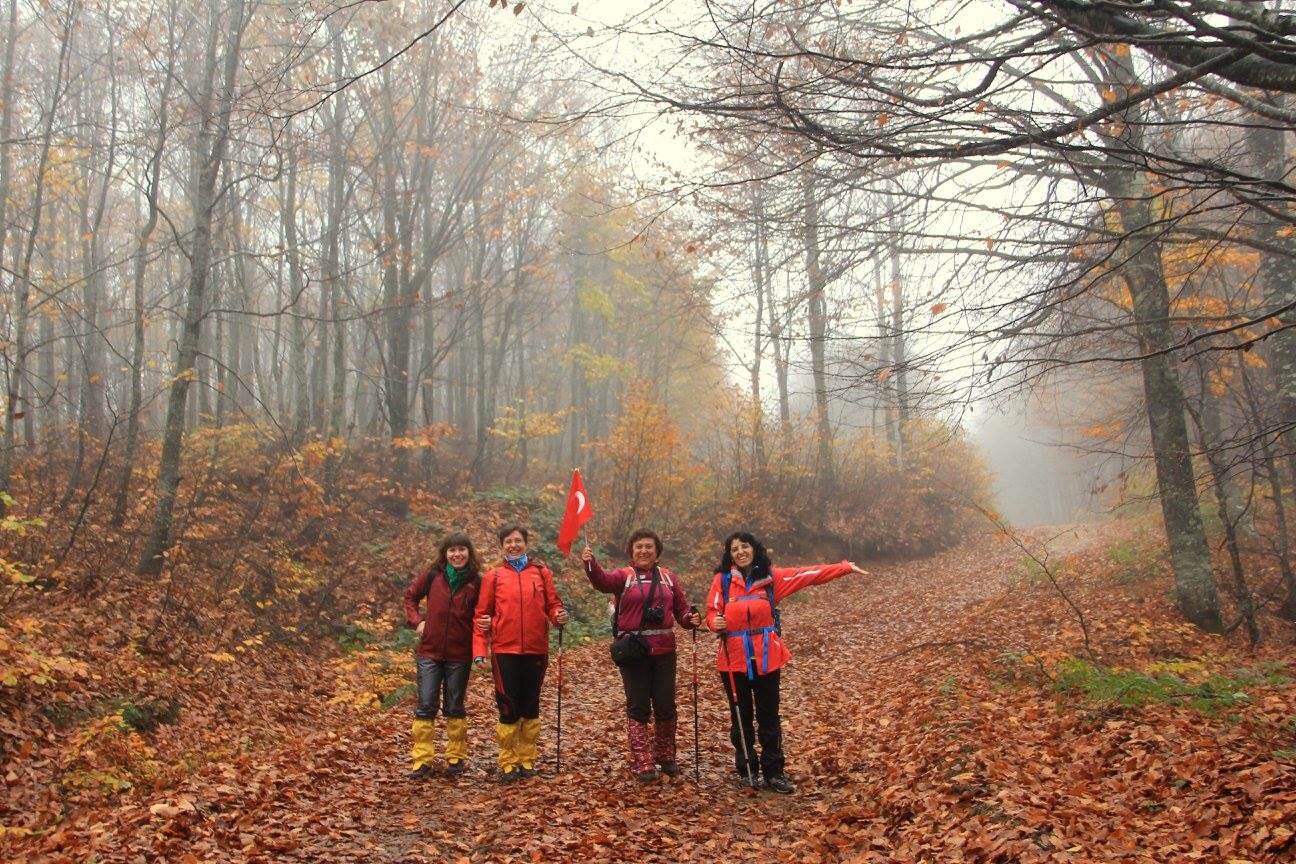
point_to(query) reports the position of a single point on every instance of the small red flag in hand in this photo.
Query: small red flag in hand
(578, 512)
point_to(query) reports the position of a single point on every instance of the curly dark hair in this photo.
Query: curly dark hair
(760, 566)
(458, 538)
(643, 534)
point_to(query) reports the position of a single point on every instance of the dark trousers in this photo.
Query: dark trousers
(441, 684)
(650, 688)
(518, 679)
(758, 697)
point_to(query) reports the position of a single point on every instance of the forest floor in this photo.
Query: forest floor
(933, 711)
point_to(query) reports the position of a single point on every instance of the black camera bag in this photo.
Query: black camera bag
(630, 648)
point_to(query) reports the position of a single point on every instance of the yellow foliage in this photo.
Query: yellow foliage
(425, 437)
(648, 463)
(517, 423)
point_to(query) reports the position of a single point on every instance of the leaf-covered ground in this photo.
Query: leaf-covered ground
(926, 718)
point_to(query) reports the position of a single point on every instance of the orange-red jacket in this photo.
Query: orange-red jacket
(520, 606)
(749, 619)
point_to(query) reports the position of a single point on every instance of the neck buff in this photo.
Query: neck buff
(519, 564)
(455, 576)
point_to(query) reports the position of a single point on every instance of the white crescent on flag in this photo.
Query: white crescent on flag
(580, 501)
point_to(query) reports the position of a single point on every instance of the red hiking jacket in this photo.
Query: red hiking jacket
(749, 620)
(521, 606)
(660, 637)
(449, 633)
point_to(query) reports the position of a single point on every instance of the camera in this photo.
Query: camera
(654, 615)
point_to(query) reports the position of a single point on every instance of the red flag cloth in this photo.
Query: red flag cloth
(578, 512)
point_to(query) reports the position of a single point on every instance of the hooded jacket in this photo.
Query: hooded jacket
(521, 607)
(751, 643)
(448, 633)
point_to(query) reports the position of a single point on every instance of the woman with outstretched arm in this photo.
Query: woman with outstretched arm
(742, 606)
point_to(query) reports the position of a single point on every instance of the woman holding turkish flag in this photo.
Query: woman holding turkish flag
(649, 603)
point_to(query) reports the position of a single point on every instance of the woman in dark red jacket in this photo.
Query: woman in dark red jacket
(447, 643)
(742, 605)
(518, 601)
(649, 602)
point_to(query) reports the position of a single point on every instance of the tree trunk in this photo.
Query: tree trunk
(19, 388)
(137, 285)
(1276, 276)
(213, 138)
(1140, 263)
(818, 320)
(1176, 483)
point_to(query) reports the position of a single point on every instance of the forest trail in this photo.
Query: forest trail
(901, 744)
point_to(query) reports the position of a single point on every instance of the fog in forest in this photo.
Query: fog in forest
(466, 247)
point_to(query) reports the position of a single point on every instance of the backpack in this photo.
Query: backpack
(726, 578)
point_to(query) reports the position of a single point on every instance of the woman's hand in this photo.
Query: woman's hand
(718, 623)
(419, 628)
(484, 624)
(857, 570)
(587, 554)
(694, 618)
(561, 618)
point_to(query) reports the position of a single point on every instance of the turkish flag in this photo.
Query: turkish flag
(578, 512)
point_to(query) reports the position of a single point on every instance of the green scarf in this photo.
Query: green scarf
(455, 577)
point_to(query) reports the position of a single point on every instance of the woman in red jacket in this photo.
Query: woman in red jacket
(447, 642)
(649, 602)
(742, 605)
(516, 605)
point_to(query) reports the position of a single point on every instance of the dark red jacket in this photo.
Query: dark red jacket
(633, 587)
(449, 633)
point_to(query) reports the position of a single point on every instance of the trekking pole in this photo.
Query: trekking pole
(697, 749)
(560, 692)
(733, 705)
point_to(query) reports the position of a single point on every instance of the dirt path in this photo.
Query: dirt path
(359, 807)
(894, 737)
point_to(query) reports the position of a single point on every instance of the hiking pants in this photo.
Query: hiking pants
(518, 678)
(440, 680)
(650, 688)
(758, 697)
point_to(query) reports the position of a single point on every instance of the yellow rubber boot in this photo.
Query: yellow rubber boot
(506, 735)
(456, 749)
(528, 747)
(423, 739)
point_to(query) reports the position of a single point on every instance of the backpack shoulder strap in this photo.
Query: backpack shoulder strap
(725, 578)
(616, 610)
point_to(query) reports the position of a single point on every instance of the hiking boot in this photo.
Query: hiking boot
(781, 784)
(527, 773)
(509, 775)
(641, 760)
(754, 782)
(420, 773)
(455, 767)
(664, 746)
